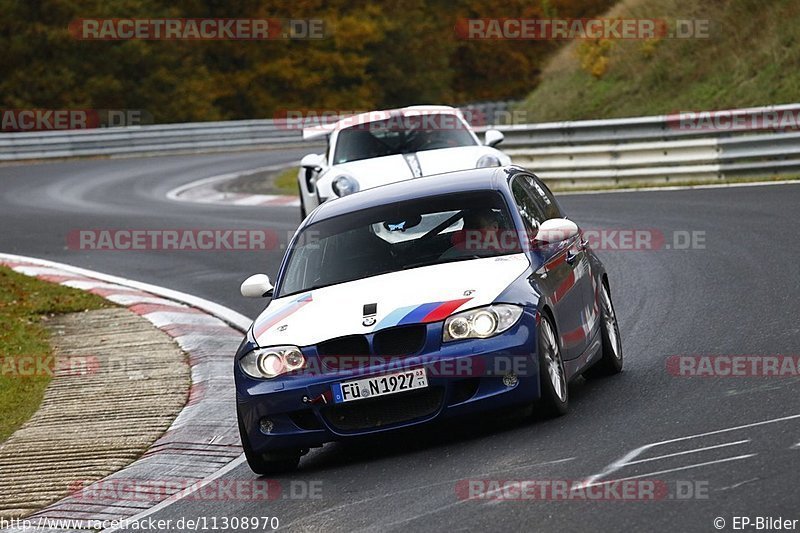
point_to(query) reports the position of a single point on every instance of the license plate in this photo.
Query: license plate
(362, 389)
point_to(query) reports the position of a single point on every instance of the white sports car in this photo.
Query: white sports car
(381, 147)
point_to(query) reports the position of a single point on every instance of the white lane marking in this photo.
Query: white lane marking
(737, 485)
(133, 299)
(181, 495)
(175, 193)
(667, 471)
(795, 447)
(258, 199)
(202, 190)
(696, 450)
(417, 488)
(624, 460)
(680, 187)
(89, 285)
(165, 318)
(40, 271)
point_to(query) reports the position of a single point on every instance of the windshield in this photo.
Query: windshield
(400, 236)
(401, 135)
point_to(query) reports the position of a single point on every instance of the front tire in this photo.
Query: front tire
(265, 464)
(554, 392)
(611, 361)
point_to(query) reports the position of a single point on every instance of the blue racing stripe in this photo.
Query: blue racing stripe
(393, 318)
(419, 313)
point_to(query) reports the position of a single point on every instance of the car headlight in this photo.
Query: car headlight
(344, 185)
(267, 363)
(481, 323)
(488, 161)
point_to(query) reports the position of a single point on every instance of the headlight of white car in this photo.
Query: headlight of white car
(272, 362)
(488, 160)
(481, 323)
(344, 185)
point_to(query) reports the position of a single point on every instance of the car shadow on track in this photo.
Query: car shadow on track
(451, 432)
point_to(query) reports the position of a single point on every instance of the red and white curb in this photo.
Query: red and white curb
(204, 191)
(203, 441)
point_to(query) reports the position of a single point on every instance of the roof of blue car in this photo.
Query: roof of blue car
(438, 184)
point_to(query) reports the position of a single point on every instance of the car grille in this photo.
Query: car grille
(387, 411)
(392, 342)
(350, 345)
(405, 340)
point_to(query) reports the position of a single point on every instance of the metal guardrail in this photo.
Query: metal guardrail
(590, 152)
(660, 149)
(149, 140)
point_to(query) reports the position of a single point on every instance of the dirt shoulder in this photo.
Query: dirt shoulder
(118, 387)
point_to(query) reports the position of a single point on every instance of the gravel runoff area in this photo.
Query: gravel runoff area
(188, 448)
(123, 384)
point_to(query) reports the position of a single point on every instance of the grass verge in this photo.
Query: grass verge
(285, 181)
(749, 58)
(24, 303)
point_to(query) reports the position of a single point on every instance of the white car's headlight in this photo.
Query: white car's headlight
(344, 185)
(488, 161)
(272, 362)
(481, 323)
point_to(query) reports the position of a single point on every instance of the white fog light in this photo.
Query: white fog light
(510, 379)
(266, 426)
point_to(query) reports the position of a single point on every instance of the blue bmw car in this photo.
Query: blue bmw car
(405, 304)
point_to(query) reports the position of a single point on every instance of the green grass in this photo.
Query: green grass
(286, 181)
(24, 301)
(749, 59)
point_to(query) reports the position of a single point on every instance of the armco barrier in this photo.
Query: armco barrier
(579, 153)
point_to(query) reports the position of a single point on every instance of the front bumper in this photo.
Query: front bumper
(464, 378)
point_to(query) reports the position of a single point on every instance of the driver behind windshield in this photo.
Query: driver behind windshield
(480, 234)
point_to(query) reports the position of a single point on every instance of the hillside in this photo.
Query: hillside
(750, 58)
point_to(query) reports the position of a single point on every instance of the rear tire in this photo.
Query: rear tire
(611, 361)
(268, 463)
(554, 391)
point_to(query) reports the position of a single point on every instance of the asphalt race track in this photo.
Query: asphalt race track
(736, 295)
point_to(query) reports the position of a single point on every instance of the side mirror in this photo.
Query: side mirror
(493, 137)
(556, 230)
(257, 286)
(312, 161)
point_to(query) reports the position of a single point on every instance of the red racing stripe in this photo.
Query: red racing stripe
(444, 310)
